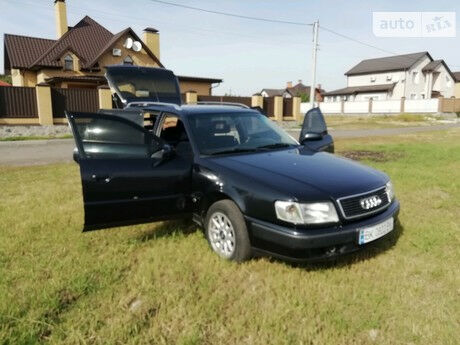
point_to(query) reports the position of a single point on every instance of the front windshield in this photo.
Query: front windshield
(237, 132)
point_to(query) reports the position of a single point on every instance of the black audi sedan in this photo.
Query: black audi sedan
(251, 186)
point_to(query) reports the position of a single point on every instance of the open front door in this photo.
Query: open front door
(125, 177)
(314, 133)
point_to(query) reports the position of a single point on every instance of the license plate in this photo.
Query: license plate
(373, 232)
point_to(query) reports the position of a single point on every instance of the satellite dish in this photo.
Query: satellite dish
(129, 43)
(137, 46)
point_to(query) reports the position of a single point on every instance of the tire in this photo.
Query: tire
(226, 231)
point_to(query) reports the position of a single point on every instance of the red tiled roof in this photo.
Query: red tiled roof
(22, 51)
(88, 40)
(114, 39)
(85, 39)
(2, 83)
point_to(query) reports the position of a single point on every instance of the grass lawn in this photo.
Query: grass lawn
(385, 121)
(161, 284)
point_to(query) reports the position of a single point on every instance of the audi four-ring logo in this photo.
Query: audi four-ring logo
(370, 202)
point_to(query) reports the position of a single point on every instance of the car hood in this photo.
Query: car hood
(325, 172)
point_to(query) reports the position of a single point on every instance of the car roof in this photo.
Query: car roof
(195, 109)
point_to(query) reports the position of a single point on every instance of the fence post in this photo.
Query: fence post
(278, 108)
(402, 107)
(342, 106)
(191, 97)
(440, 104)
(257, 100)
(105, 97)
(44, 104)
(296, 108)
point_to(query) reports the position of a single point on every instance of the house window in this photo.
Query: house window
(415, 77)
(68, 63)
(389, 77)
(422, 96)
(413, 96)
(448, 81)
(128, 61)
(373, 79)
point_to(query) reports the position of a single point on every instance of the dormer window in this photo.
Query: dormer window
(373, 79)
(68, 63)
(128, 61)
(389, 77)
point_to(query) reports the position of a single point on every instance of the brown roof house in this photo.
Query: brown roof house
(79, 54)
(298, 90)
(457, 84)
(413, 76)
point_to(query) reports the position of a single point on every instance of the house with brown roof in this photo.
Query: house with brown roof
(413, 76)
(298, 90)
(76, 59)
(457, 84)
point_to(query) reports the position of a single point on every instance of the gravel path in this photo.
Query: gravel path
(34, 152)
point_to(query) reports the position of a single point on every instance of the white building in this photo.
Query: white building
(414, 76)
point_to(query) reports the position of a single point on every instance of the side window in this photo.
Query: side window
(173, 130)
(112, 138)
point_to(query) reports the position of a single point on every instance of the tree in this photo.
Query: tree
(304, 97)
(6, 78)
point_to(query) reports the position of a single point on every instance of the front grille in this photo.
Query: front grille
(351, 206)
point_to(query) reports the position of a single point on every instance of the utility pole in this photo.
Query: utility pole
(313, 76)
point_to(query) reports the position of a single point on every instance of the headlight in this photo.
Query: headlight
(390, 191)
(315, 213)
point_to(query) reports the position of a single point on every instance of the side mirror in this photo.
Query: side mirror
(314, 126)
(162, 155)
(312, 136)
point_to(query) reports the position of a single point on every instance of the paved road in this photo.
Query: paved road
(60, 150)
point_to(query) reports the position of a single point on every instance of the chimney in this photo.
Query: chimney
(151, 39)
(60, 11)
(288, 84)
(299, 81)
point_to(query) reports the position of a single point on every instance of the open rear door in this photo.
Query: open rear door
(124, 180)
(314, 133)
(143, 84)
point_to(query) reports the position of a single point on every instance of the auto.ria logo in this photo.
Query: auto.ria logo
(370, 202)
(414, 24)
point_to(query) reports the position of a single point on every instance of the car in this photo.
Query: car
(248, 184)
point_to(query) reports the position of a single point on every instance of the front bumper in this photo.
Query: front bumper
(313, 244)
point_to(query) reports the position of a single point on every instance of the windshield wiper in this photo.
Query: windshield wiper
(273, 146)
(235, 150)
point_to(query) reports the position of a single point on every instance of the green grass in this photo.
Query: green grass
(35, 137)
(380, 121)
(161, 284)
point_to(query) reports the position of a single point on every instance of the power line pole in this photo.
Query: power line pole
(313, 77)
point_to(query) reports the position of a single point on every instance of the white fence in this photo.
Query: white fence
(356, 107)
(386, 106)
(421, 105)
(377, 107)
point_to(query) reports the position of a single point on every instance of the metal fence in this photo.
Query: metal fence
(84, 100)
(269, 106)
(233, 99)
(18, 102)
(287, 107)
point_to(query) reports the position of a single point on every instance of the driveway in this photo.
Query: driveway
(34, 152)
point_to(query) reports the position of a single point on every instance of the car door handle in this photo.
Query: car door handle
(101, 178)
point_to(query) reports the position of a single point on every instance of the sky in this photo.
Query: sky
(248, 55)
